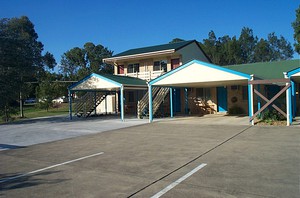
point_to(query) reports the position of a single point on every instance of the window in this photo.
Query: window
(160, 65)
(203, 93)
(245, 93)
(133, 68)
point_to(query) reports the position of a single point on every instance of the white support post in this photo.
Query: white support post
(171, 103)
(150, 103)
(251, 99)
(122, 102)
(288, 102)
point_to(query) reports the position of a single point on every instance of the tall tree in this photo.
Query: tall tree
(296, 26)
(247, 49)
(247, 43)
(79, 62)
(21, 57)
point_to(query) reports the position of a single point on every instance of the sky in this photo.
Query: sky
(126, 24)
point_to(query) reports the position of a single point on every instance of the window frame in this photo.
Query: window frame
(133, 68)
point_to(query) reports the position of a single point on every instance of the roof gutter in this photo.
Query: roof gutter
(142, 55)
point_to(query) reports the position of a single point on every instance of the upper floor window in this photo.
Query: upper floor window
(133, 68)
(160, 65)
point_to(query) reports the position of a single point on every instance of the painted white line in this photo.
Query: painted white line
(172, 185)
(49, 167)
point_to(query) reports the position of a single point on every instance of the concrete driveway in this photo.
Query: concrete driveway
(48, 129)
(169, 158)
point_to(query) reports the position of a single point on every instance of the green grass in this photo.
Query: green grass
(30, 111)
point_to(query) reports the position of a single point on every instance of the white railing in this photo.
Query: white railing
(149, 75)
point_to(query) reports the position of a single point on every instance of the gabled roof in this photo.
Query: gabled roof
(199, 74)
(267, 70)
(107, 82)
(126, 80)
(170, 46)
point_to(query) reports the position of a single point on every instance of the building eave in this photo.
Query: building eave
(135, 56)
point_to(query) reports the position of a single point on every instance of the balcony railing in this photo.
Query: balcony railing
(149, 75)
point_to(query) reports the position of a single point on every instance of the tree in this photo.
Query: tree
(247, 43)
(79, 62)
(296, 26)
(176, 40)
(21, 59)
(247, 48)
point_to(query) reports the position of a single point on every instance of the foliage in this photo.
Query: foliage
(49, 89)
(79, 62)
(270, 116)
(235, 110)
(296, 26)
(248, 48)
(176, 40)
(21, 58)
(9, 110)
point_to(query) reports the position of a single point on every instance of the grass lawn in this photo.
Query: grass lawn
(30, 111)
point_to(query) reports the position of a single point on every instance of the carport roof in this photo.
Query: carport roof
(267, 70)
(107, 82)
(200, 74)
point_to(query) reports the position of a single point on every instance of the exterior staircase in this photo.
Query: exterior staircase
(88, 103)
(159, 94)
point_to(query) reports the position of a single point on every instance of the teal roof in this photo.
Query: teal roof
(267, 70)
(175, 46)
(118, 80)
(125, 80)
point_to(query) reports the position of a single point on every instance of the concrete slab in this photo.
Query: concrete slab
(242, 161)
(47, 129)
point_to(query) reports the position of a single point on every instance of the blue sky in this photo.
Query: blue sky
(122, 25)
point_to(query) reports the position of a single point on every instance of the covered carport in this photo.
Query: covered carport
(200, 74)
(107, 82)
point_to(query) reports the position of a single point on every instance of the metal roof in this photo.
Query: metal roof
(267, 70)
(170, 46)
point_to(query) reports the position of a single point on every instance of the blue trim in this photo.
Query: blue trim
(186, 103)
(171, 103)
(249, 101)
(292, 72)
(150, 103)
(290, 107)
(122, 103)
(202, 63)
(258, 99)
(94, 75)
(294, 97)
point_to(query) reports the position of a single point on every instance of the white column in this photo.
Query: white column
(150, 103)
(122, 102)
(251, 99)
(288, 99)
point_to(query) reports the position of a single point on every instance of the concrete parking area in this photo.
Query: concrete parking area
(141, 161)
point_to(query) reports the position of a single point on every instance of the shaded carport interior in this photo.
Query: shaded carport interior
(106, 82)
(196, 74)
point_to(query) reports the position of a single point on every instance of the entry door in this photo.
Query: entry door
(176, 100)
(222, 99)
(120, 69)
(175, 63)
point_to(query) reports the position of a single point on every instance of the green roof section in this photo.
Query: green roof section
(170, 46)
(125, 80)
(267, 70)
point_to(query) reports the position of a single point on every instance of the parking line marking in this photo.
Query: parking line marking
(178, 181)
(49, 167)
